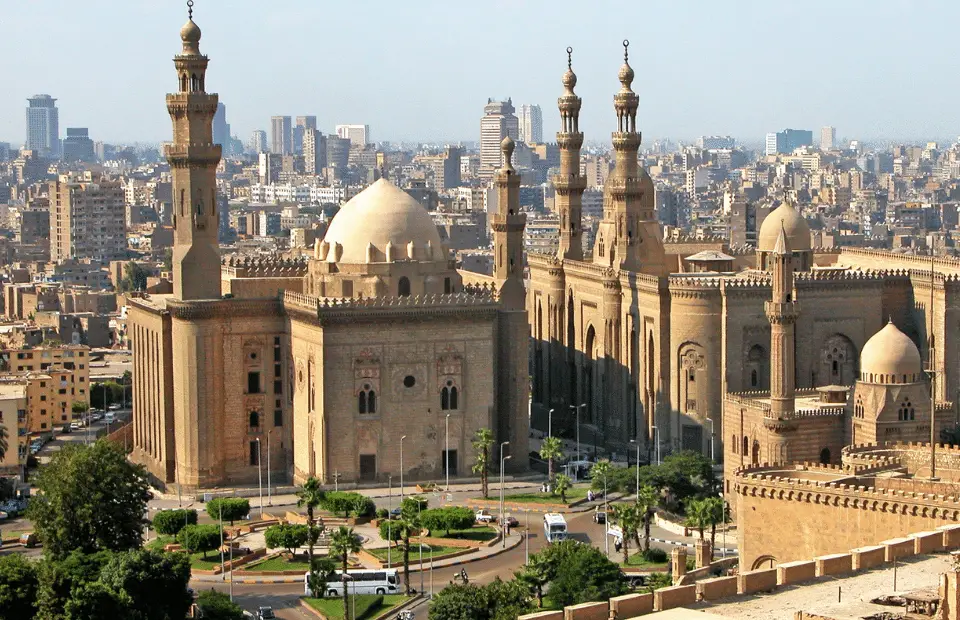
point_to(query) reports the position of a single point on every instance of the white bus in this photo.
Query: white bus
(554, 527)
(383, 581)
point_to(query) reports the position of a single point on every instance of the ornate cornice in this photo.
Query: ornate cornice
(223, 308)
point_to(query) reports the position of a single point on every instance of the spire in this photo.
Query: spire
(190, 34)
(506, 147)
(782, 246)
(569, 78)
(626, 71)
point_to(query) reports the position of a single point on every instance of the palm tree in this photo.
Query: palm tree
(698, 515)
(343, 542)
(561, 486)
(408, 523)
(647, 501)
(536, 575)
(628, 518)
(3, 441)
(482, 441)
(599, 474)
(311, 496)
(551, 449)
(716, 513)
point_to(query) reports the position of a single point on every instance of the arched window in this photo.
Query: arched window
(449, 397)
(734, 443)
(756, 453)
(194, 83)
(367, 400)
(454, 398)
(825, 456)
(753, 378)
(183, 83)
(746, 446)
(254, 419)
(601, 247)
(403, 287)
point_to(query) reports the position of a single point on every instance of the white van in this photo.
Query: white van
(554, 527)
(109, 418)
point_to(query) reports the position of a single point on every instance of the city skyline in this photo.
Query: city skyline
(835, 66)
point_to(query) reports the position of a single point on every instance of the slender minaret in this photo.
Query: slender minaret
(508, 225)
(569, 183)
(782, 311)
(629, 235)
(193, 159)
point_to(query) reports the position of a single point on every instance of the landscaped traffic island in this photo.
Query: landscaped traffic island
(367, 605)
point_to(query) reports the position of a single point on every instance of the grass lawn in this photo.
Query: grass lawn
(158, 543)
(397, 553)
(574, 494)
(213, 559)
(637, 561)
(333, 607)
(481, 533)
(277, 564)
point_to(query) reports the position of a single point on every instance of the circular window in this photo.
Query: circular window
(409, 381)
(366, 386)
(253, 356)
(449, 383)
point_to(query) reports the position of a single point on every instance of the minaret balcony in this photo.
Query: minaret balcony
(782, 311)
(194, 153)
(565, 183)
(626, 140)
(629, 186)
(570, 139)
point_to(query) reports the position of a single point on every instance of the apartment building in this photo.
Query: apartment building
(13, 417)
(87, 218)
(55, 378)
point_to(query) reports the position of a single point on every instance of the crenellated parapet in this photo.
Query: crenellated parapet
(472, 301)
(247, 267)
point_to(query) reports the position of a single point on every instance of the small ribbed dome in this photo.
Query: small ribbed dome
(890, 357)
(569, 80)
(792, 223)
(626, 75)
(382, 218)
(190, 33)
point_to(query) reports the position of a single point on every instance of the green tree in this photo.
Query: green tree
(655, 581)
(561, 485)
(716, 510)
(600, 474)
(507, 600)
(79, 408)
(218, 606)
(322, 572)
(287, 536)
(347, 502)
(90, 498)
(199, 538)
(698, 515)
(647, 501)
(18, 586)
(536, 575)
(93, 601)
(551, 450)
(152, 585)
(482, 441)
(58, 579)
(447, 518)
(311, 496)
(498, 600)
(343, 542)
(409, 522)
(134, 278)
(584, 574)
(170, 522)
(628, 517)
(228, 508)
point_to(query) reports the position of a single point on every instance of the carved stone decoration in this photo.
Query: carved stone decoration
(301, 375)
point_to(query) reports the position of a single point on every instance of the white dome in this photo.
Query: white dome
(795, 227)
(890, 357)
(379, 218)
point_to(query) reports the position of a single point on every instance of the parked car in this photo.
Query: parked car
(600, 517)
(483, 516)
(66, 429)
(109, 418)
(510, 521)
(76, 426)
(115, 407)
(265, 613)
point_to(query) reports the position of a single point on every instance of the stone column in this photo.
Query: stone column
(703, 553)
(678, 559)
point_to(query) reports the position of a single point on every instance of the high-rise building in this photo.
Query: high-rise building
(258, 141)
(530, 118)
(78, 146)
(43, 126)
(281, 135)
(221, 129)
(498, 122)
(87, 218)
(303, 125)
(338, 151)
(359, 135)
(716, 142)
(828, 137)
(314, 151)
(788, 140)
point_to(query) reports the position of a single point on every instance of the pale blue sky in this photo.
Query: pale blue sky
(422, 69)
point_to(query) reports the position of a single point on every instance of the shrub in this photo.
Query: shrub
(363, 506)
(218, 606)
(233, 508)
(382, 513)
(347, 503)
(170, 522)
(286, 536)
(199, 538)
(447, 518)
(655, 556)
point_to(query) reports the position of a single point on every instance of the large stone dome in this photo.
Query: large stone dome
(890, 357)
(798, 233)
(379, 219)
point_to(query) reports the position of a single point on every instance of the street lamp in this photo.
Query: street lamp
(260, 475)
(503, 459)
(269, 463)
(446, 449)
(550, 423)
(638, 468)
(401, 467)
(656, 441)
(606, 526)
(577, 408)
(712, 437)
(389, 519)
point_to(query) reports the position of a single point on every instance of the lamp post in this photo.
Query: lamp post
(269, 467)
(402, 437)
(577, 408)
(712, 437)
(550, 423)
(420, 532)
(503, 459)
(260, 475)
(389, 518)
(638, 468)
(656, 442)
(606, 536)
(526, 537)
(446, 449)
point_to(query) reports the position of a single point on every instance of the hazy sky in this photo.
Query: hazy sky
(422, 69)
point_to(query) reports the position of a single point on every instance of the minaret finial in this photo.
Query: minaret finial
(626, 44)
(570, 58)
(190, 9)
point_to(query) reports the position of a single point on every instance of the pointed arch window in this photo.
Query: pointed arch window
(367, 400)
(449, 397)
(403, 287)
(254, 419)
(600, 247)
(906, 411)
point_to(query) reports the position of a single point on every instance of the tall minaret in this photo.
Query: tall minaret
(782, 311)
(193, 159)
(508, 225)
(569, 183)
(629, 231)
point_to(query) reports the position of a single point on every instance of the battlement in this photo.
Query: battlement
(247, 267)
(845, 275)
(472, 297)
(678, 281)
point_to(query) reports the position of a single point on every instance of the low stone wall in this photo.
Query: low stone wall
(717, 567)
(951, 535)
(717, 588)
(674, 596)
(834, 564)
(868, 557)
(630, 605)
(796, 572)
(927, 542)
(228, 564)
(543, 615)
(897, 548)
(762, 580)
(586, 611)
